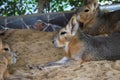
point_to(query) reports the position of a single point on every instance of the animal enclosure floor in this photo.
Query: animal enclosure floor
(35, 47)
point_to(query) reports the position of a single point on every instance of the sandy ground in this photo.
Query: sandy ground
(35, 48)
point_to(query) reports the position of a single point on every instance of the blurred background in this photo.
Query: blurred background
(24, 7)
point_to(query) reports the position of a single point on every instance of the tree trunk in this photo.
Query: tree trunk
(42, 5)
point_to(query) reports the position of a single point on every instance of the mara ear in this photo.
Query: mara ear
(73, 24)
(96, 5)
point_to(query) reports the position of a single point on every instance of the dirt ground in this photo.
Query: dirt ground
(35, 48)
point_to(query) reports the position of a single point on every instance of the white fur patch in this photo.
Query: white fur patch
(63, 60)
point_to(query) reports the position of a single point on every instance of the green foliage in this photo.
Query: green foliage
(21, 7)
(16, 7)
(63, 5)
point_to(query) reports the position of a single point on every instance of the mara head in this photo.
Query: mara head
(65, 34)
(9, 54)
(87, 11)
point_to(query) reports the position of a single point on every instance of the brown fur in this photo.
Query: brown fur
(96, 22)
(3, 67)
(74, 47)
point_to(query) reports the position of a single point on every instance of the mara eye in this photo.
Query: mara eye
(86, 10)
(6, 49)
(62, 33)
